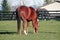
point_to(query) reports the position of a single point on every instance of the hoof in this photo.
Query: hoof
(25, 32)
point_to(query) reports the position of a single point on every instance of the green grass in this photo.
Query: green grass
(47, 30)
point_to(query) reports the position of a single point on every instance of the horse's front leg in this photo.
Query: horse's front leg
(35, 25)
(24, 27)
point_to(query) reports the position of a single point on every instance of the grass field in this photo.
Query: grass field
(47, 30)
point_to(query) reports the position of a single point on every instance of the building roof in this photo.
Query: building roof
(53, 6)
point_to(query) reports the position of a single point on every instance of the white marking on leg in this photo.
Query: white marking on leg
(25, 32)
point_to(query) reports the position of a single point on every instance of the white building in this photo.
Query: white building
(52, 6)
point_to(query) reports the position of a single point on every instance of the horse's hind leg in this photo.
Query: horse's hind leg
(28, 24)
(24, 27)
(35, 25)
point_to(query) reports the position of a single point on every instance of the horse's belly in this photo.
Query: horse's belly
(32, 16)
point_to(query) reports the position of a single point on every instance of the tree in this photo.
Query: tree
(5, 6)
(49, 1)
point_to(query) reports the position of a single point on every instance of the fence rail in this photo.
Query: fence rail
(7, 15)
(51, 14)
(11, 15)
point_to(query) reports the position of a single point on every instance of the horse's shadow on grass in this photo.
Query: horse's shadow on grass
(7, 32)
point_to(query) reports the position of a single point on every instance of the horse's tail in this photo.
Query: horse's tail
(16, 14)
(18, 21)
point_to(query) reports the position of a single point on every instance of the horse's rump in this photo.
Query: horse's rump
(24, 12)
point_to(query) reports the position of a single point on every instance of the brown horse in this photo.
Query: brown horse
(26, 14)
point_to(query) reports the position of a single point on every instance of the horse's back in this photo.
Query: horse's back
(24, 12)
(33, 14)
